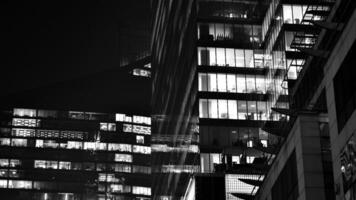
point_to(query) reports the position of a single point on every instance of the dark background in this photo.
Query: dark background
(68, 53)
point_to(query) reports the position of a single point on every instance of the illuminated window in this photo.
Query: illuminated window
(141, 190)
(3, 183)
(107, 126)
(241, 83)
(239, 56)
(230, 57)
(40, 164)
(140, 139)
(236, 159)
(213, 108)
(122, 168)
(287, 14)
(220, 55)
(89, 145)
(141, 120)
(212, 83)
(64, 165)
(100, 146)
(111, 127)
(23, 132)
(221, 82)
(119, 188)
(3, 172)
(4, 162)
(128, 119)
(141, 129)
(47, 133)
(241, 109)
(249, 58)
(203, 108)
(231, 83)
(127, 128)
(222, 105)
(4, 141)
(15, 163)
(123, 157)
(120, 117)
(103, 126)
(264, 143)
(20, 184)
(74, 145)
(125, 147)
(250, 159)
(25, 122)
(141, 149)
(15, 173)
(19, 142)
(232, 105)
(20, 112)
(250, 143)
(119, 147)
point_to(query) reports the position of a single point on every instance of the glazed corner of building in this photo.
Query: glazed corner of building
(317, 158)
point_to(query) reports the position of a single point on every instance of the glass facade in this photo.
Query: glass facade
(75, 155)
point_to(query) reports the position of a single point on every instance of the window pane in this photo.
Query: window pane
(252, 110)
(240, 83)
(239, 55)
(221, 82)
(228, 31)
(212, 82)
(211, 57)
(250, 81)
(249, 58)
(260, 84)
(220, 55)
(258, 59)
(231, 83)
(213, 108)
(222, 109)
(232, 105)
(230, 57)
(203, 82)
(200, 60)
(241, 109)
(297, 14)
(287, 13)
(219, 31)
(203, 108)
(262, 110)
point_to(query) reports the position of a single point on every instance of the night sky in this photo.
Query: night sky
(46, 43)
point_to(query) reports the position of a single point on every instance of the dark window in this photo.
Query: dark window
(345, 88)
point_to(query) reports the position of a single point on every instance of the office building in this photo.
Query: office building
(315, 162)
(256, 93)
(175, 139)
(74, 155)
